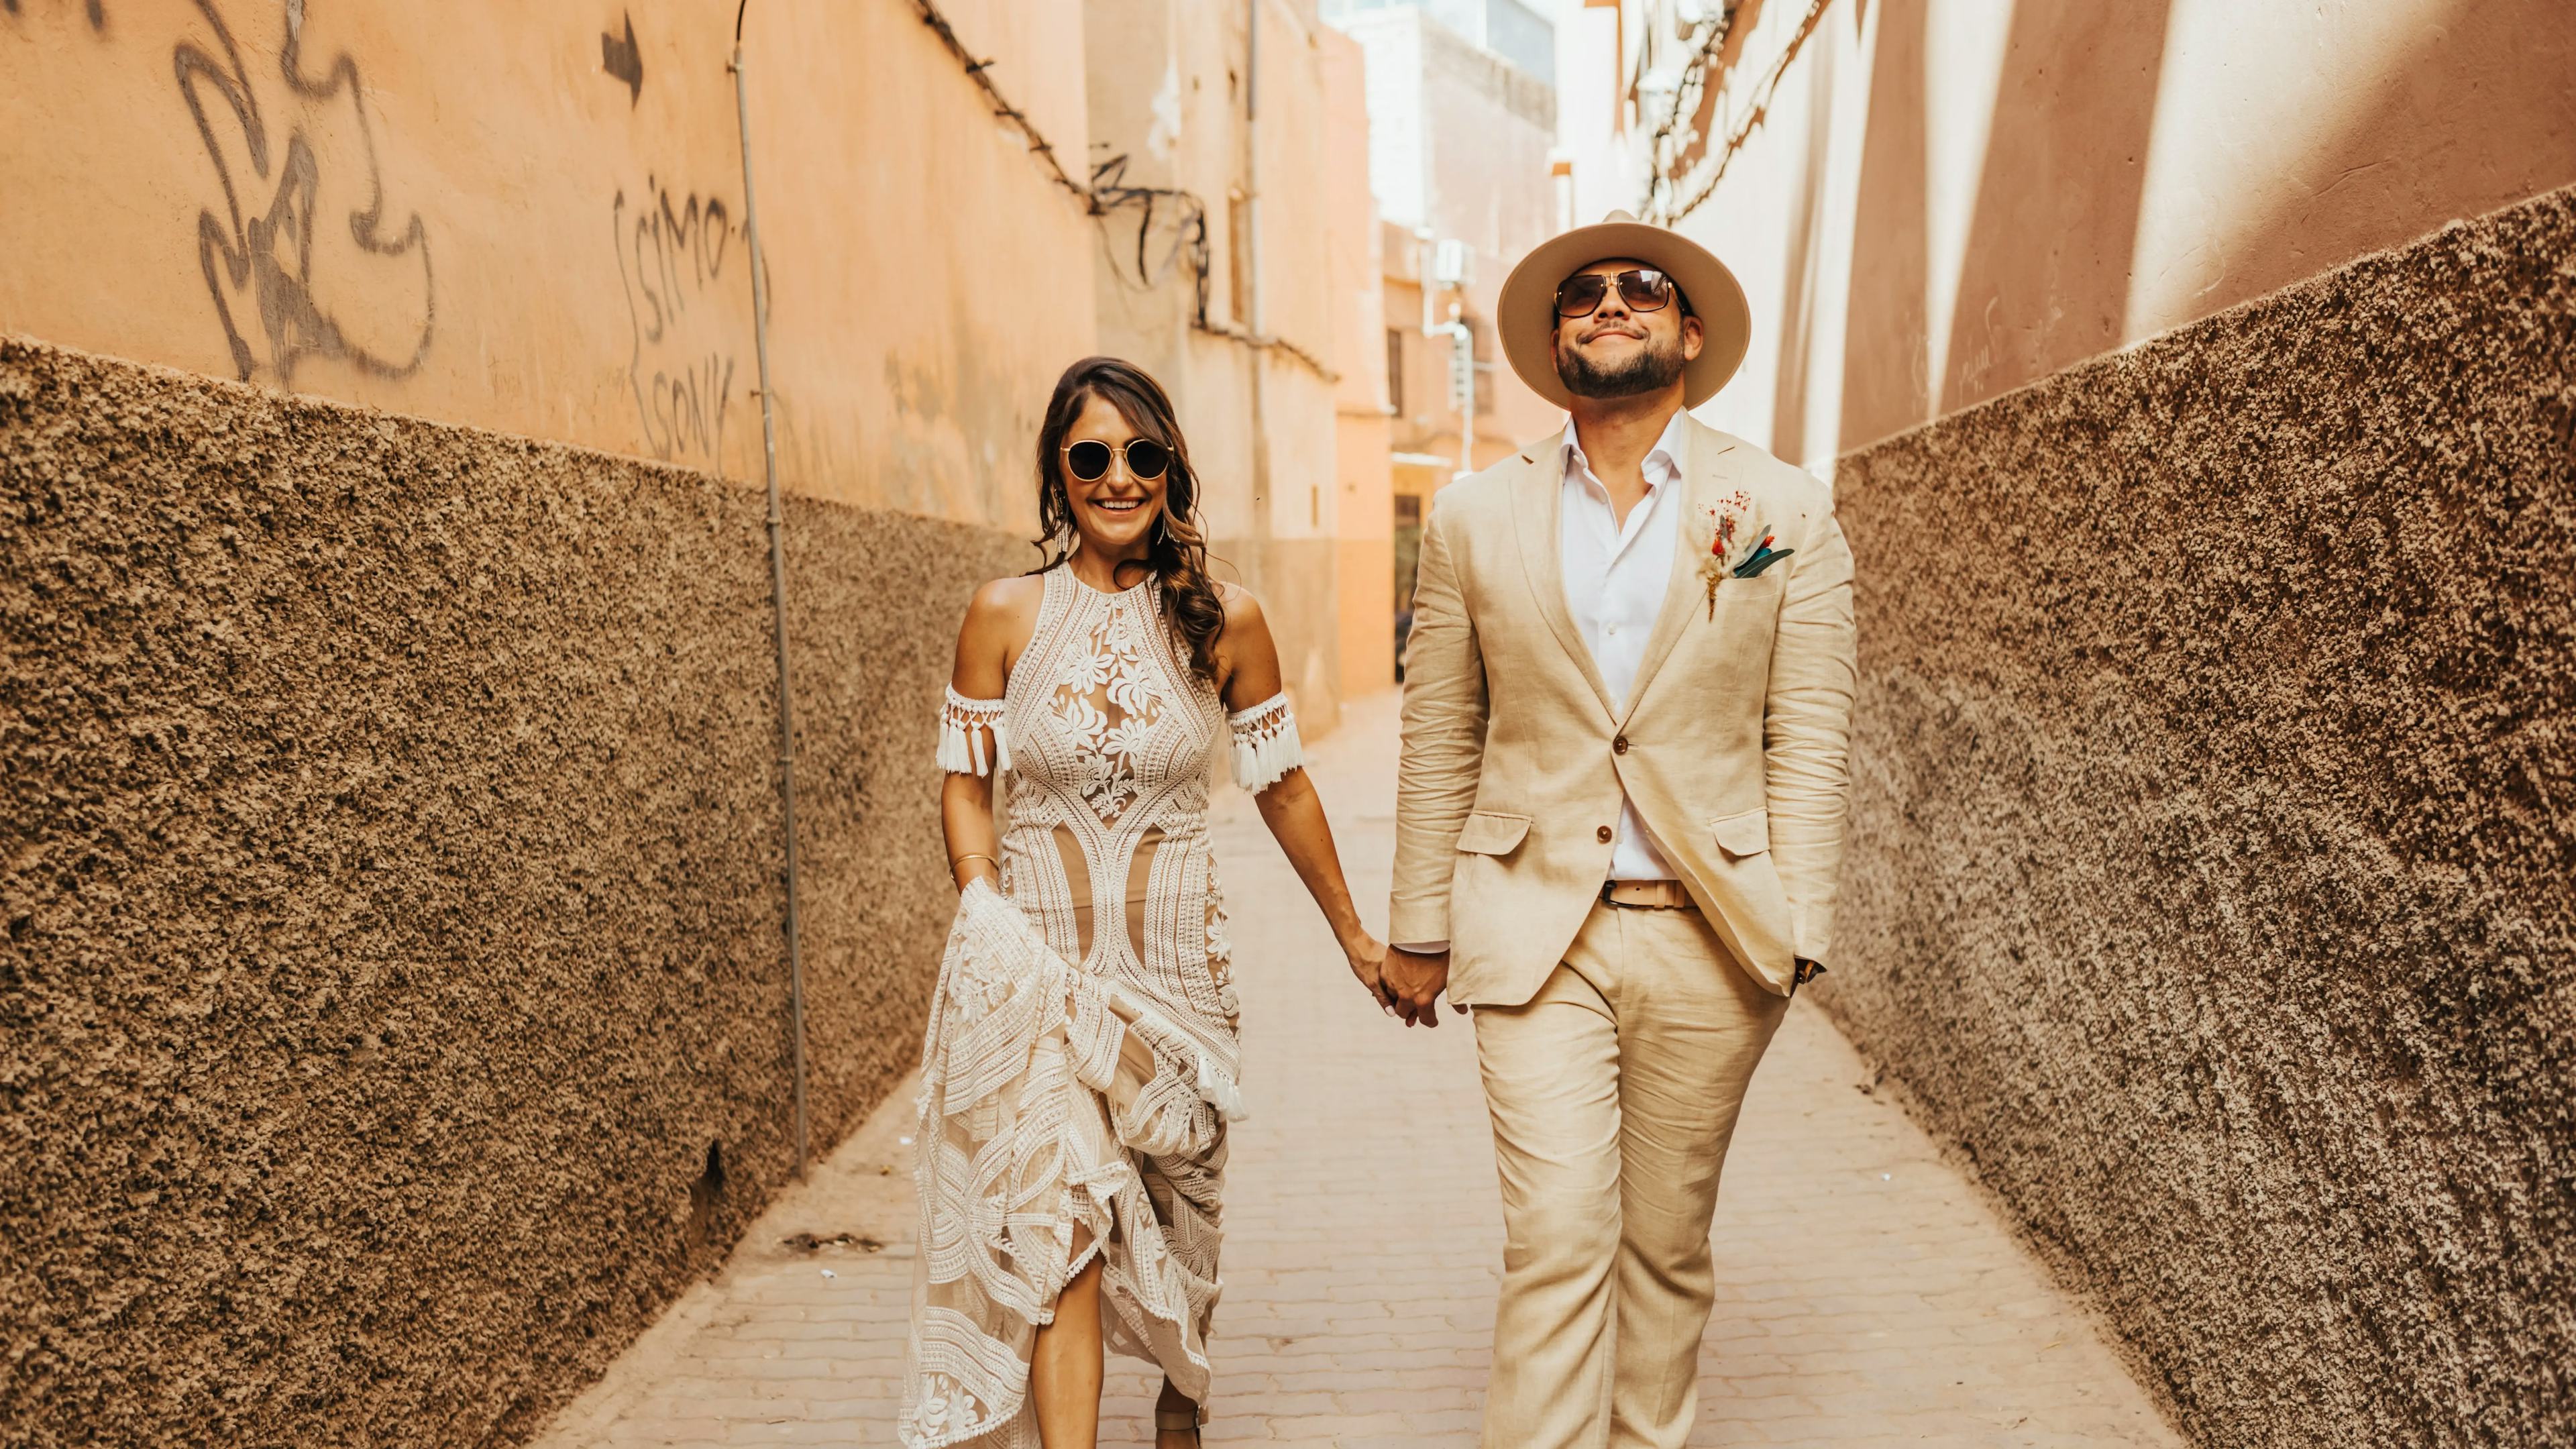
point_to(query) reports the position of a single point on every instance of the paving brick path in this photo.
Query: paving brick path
(1866, 1296)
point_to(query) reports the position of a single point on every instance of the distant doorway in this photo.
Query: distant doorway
(1408, 556)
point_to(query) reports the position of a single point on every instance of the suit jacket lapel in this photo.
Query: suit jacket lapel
(1704, 476)
(1537, 512)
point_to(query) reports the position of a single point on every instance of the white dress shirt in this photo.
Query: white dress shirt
(1615, 579)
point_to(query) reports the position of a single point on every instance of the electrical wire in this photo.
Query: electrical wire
(1761, 110)
(1107, 192)
(1686, 94)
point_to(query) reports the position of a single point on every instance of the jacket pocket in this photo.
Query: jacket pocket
(1745, 834)
(1489, 833)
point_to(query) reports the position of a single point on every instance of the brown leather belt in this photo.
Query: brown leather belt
(1652, 895)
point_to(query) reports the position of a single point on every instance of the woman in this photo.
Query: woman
(1081, 1059)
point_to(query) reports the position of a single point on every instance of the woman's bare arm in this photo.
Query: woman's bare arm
(1249, 658)
(999, 621)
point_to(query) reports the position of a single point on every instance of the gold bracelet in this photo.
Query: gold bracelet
(956, 861)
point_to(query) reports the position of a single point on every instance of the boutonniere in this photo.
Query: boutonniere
(1737, 547)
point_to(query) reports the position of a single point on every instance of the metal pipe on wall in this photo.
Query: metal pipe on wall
(777, 584)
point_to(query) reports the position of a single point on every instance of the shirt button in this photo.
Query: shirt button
(1602, 835)
(1619, 746)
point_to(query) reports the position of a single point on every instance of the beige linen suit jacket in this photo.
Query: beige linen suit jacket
(1732, 744)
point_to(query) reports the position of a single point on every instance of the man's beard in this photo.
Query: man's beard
(1652, 369)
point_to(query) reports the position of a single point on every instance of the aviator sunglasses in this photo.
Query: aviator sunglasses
(1641, 289)
(1088, 460)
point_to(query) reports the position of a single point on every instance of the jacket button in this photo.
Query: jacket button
(1602, 835)
(1619, 746)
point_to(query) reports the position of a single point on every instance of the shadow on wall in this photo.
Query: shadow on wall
(2384, 177)
(1887, 385)
(1798, 295)
(2045, 280)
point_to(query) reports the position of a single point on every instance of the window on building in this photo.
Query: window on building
(1395, 370)
(1408, 556)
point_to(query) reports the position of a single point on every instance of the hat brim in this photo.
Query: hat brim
(1528, 303)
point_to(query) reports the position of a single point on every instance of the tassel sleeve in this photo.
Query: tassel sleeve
(963, 725)
(1265, 743)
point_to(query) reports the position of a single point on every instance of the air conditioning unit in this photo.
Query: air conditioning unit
(1453, 263)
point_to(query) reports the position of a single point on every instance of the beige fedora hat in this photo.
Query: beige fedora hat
(1528, 303)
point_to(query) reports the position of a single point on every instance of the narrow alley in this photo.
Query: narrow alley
(1866, 1295)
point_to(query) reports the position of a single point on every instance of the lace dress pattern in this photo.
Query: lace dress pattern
(1040, 1144)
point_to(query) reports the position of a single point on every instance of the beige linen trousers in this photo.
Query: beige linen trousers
(1616, 1044)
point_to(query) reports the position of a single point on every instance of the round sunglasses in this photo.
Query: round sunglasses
(1641, 289)
(1088, 460)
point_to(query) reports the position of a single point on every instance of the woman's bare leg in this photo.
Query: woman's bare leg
(1065, 1362)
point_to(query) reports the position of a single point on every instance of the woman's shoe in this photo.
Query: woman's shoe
(1167, 1421)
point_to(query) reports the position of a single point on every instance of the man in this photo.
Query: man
(1620, 814)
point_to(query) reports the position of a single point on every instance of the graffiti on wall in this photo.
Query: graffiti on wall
(96, 10)
(670, 251)
(259, 251)
(624, 59)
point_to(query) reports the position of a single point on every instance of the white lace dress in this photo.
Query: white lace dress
(1040, 1144)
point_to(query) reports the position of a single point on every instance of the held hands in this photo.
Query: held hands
(1411, 984)
(1367, 956)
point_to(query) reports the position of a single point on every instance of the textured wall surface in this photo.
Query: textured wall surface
(392, 892)
(2213, 882)
(532, 219)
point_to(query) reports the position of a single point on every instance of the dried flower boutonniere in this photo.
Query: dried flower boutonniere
(1736, 549)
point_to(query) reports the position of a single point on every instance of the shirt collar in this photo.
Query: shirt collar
(1669, 448)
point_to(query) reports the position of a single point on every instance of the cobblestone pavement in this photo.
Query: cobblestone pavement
(1866, 1295)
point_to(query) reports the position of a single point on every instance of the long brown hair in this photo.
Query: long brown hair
(1177, 552)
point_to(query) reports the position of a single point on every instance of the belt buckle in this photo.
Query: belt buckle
(1671, 896)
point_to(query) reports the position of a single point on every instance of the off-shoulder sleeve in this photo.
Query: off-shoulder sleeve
(1265, 743)
(963, 723)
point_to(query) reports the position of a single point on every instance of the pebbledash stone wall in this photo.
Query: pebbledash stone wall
(2213, 880)
(391, 963)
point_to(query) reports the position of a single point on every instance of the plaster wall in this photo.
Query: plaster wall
(1493, 130)
(2214, 826)
(1273, 506)
(390, 865)
(1590, 114)
(1460, 142)
(509, 219)
(1362, 435)
(1949, 199)
(391, 892)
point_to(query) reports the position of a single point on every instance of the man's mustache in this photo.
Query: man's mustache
(1612, 329)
